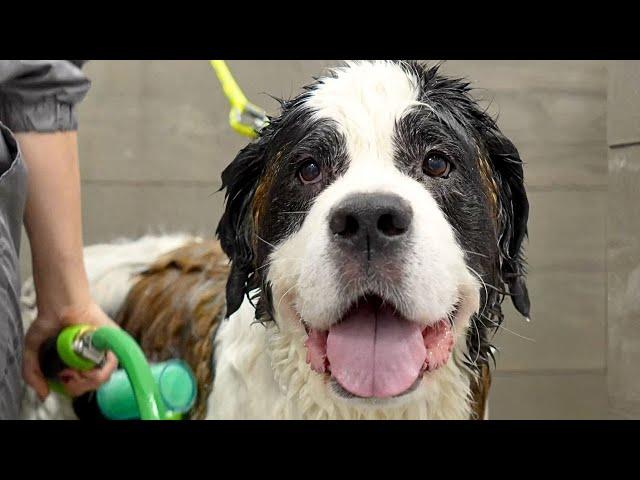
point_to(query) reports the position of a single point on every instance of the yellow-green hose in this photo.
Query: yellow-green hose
(244, 117)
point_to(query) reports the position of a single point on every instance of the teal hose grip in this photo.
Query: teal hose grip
(176, 384)
(132, 359)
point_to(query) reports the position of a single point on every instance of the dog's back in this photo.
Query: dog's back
(175, 306)
(167, 291)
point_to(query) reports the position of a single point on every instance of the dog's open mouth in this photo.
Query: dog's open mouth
(373, 352)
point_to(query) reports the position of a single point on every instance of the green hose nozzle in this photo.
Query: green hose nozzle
(161, 392)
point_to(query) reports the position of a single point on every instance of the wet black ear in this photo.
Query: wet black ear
(236, 229)
(513, 213)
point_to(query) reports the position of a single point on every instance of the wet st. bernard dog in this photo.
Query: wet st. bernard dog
(373, 230)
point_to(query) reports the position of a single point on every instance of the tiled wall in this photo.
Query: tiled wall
(623, 238)
(555, 112)
(154, 137)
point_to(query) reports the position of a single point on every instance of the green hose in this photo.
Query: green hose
(135, 364)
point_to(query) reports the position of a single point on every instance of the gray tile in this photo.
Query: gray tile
(568, 396)
(623, 120)
(550, 117)
(584, 77)
(561, 137)
(566, 231)
(113, 211)
(553, 111)
(566, 280)
(624, 337)
(160, 120)
(578, 165)
(567, 330)
(157, 120)
(623, 274)
(623, 222)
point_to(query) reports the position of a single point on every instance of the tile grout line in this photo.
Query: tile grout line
(624, 144)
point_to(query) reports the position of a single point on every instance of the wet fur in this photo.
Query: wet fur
(175, 305)
(501, 188)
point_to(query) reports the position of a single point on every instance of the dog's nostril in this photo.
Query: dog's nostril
(344, 224)
(392, 224)
(351, 226)
(387, 226)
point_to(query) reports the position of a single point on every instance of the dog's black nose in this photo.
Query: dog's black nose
(371, 222)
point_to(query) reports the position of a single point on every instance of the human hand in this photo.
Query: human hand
(48, 324)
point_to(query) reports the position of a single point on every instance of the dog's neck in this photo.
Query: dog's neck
(261, 373)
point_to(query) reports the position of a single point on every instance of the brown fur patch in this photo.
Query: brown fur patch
(175, 307)
(489, 183)
(260, 204)
(480, 392)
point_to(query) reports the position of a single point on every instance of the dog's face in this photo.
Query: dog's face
(379, 215)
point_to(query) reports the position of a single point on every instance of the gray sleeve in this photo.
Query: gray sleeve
(40, 95)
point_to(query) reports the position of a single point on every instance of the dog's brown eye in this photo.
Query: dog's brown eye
(436, 165)
(310, 172)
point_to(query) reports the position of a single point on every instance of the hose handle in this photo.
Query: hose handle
(83, 347)
(70, 348)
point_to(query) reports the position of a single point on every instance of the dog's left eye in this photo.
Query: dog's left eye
(436, 165)
(310, 172)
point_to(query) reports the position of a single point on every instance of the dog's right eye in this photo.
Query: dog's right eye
(436, 165)
(310, 172)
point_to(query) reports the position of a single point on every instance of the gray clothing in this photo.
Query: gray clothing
(35, 95)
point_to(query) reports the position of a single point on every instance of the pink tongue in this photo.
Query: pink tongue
(374, 353)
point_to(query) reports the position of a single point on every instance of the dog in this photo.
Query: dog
(370, 235)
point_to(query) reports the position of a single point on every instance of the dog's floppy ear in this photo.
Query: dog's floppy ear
(513, 212)
(236, 229)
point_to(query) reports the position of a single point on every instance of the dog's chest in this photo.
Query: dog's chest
(244, 385)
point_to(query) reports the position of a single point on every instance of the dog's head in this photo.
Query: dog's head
(379, 215)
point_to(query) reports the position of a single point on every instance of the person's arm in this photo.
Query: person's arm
(54, 225)
(37, 102)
